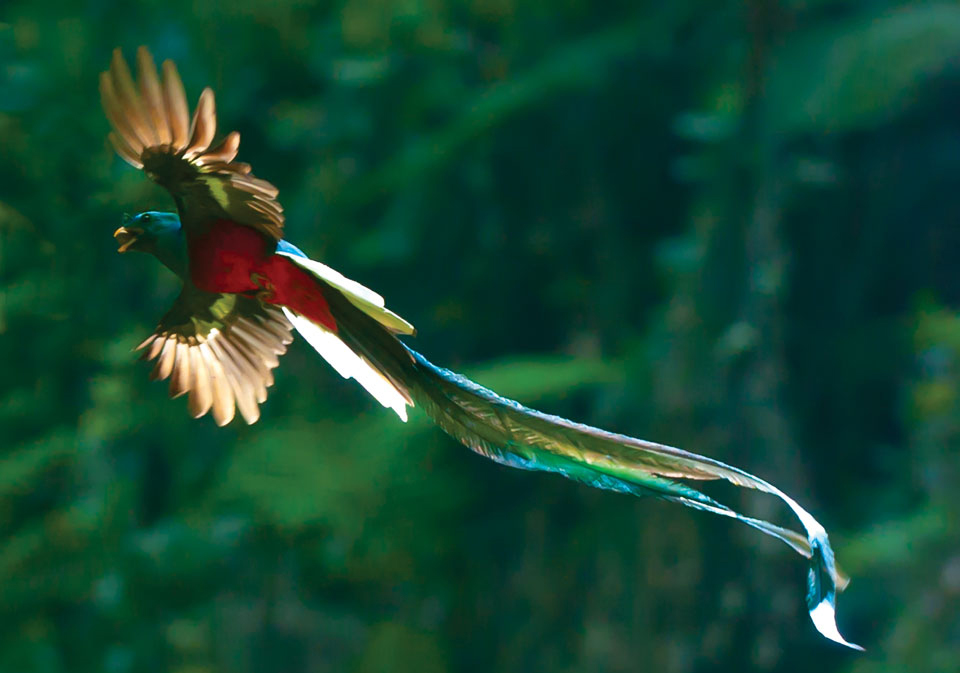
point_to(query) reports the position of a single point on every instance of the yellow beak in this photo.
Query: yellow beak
(126, 236)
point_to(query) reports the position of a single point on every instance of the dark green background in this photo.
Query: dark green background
(727, 226)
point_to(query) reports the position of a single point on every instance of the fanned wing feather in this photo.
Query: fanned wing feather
(219, 349)
(152, 131)
(204, 126)
(152, 94)
(175, 103)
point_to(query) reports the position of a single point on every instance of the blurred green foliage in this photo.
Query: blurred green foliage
(731, 227)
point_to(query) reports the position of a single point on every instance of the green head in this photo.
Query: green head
(158, 234)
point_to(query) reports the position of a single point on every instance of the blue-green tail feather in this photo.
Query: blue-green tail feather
(509, 433)
(512, 434)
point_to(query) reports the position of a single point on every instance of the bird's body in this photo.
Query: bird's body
(245, 289)
(226, 257)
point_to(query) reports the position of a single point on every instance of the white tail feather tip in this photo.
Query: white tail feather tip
(824, 618)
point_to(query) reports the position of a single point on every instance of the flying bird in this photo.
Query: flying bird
(246, 290)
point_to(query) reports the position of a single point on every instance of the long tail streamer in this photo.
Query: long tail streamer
(512, 434)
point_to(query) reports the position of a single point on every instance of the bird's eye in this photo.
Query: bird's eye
(145, 217)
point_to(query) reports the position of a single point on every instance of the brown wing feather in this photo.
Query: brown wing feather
(175, 103)
(152, 131)
(153, 97)
(219, 350)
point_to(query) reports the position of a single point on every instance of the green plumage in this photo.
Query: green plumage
(221, 348)
(512, 434)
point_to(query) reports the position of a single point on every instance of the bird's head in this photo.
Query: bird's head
(147, 232)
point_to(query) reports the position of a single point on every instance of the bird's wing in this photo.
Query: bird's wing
(219, 348)
(152, 131)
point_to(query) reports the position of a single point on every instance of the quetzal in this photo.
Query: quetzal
(245, 289)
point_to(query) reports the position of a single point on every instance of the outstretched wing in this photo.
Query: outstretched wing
(152, 131)
(219, 348)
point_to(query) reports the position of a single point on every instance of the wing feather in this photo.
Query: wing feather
(219, 349)
(124, 150)
(223, 153)
(201, 394)
(153, 95)
(204, 125)
(255, 345)
(114, 111)
(180, 382)
(155, 345)
(164, 366)
(153, 131)
(238, 368)
(175, 103)
(129, 99)
(222, 402)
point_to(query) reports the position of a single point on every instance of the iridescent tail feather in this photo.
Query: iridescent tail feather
(512, 434)
(509, 433)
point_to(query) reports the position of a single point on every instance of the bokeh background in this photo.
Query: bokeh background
(731, 227)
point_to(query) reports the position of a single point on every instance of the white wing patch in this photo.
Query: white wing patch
(348, 364)
(362, 297)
